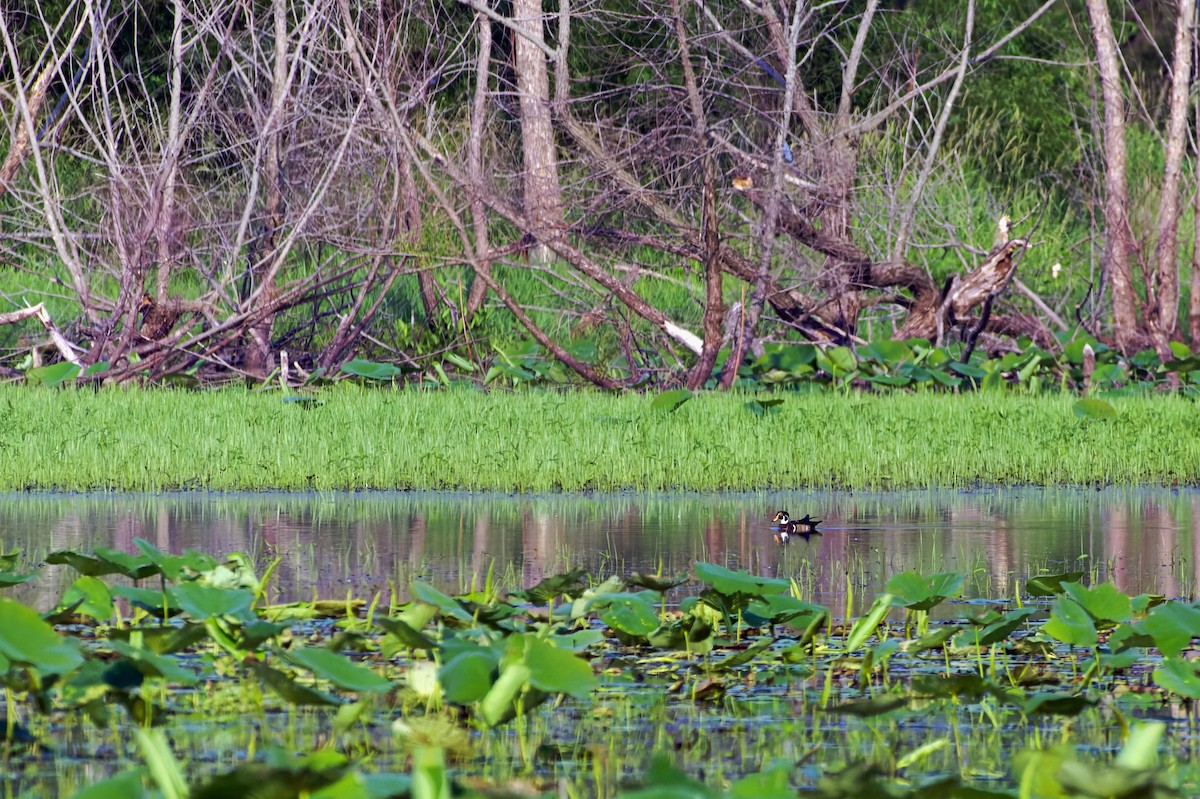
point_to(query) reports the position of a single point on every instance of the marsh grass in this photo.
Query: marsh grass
(355, 438)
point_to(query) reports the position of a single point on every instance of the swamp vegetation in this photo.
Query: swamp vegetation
(651, 193)
(578, 685)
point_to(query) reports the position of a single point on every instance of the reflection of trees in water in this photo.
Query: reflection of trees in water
(1142, 540)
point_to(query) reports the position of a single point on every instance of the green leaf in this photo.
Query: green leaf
(1104, 602)
(52, 375)
(449, 607)
(468, 676)
(868, 623)
(888, 352)
(556, 670)
(670, 401)
(570, 584)
(290, 690)
(666, 781)
(203, 602)
(372, 370)
(26, 638)
(406, 635)
(894, 381)
(763, 407)
(628, 614)
(656, 582)
(838, 361)
(995, 630)
(459, 361)
(165, 770)
(932, 640)
(783, 609)
(155, 602)
(1180, 677)
(771, 783)
(1051, 584)
(945, 379)
(872, 706)
(970, 686)
(338, 669)
(968, 370)
(1092, 408)
(8, 579)
(129, 785)
(918, 592)
(730, 582)
(174, 566)
(88, 596)
(152, 664)
(104, 562)
(1141, 748)
(1172, 626)
(1070, 623)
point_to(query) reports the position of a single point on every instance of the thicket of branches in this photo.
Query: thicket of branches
(214, 182)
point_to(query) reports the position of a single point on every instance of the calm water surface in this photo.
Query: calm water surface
(332, 545)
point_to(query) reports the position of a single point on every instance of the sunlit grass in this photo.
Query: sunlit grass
(357, 438)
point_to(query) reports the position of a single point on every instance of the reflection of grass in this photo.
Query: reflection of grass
(535, 441)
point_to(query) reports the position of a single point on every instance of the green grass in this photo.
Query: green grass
(359, 438)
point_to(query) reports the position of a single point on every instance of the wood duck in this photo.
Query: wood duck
(789, 527)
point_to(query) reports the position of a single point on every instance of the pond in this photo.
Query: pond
(358, 544)
(807, 701)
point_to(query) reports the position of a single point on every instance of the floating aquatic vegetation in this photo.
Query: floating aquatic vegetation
(738, 675)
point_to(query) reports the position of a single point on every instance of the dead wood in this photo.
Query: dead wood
(64, 347)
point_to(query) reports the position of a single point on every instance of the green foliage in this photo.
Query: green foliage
(539, 441)
(494, 661)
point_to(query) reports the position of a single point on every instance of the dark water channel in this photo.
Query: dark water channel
(332, 545)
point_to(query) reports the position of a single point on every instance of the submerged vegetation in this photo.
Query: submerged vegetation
(351, 438)
(579, 687)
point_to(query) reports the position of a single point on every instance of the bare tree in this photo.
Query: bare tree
(1158, 323)
(542, 193)
(275, 191)
(256, 181)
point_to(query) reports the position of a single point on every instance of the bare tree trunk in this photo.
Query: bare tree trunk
(26, 145)
(713, 306)
(259, 358)
(1166, 263)
(1194, 294)
(171, 150)
(475, 163)
(18, 150)
(751, 315)
(1116, 202)
(543, 193)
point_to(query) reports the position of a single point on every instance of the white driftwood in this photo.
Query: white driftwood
(685, 337)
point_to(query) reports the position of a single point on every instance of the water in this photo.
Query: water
(332, 545)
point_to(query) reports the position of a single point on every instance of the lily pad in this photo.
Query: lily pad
(669, 401)
(26, 638)
(730, 582)
(338, 670)
(1092, 408)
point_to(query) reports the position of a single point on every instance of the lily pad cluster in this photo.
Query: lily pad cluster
(136, 634)
(879, 365)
